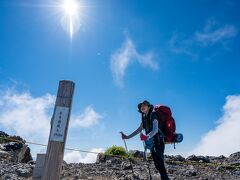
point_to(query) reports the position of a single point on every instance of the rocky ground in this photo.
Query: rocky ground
(193, 167)
(16, 163)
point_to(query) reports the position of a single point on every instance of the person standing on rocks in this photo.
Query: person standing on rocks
(153, 130)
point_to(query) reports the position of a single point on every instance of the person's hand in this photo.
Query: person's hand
(143, 137)
(123, 135)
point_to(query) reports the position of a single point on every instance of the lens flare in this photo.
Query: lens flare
(70, 7)
(71, 13)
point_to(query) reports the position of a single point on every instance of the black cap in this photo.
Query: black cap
(144, 102)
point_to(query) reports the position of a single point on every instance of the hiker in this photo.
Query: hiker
(153, 129)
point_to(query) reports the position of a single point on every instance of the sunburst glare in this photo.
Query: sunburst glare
(70, 19)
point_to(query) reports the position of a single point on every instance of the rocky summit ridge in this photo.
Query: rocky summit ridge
(16, 163)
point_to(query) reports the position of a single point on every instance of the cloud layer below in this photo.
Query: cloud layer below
(224, 139)
(26, 116)
(77, 157)
(29, 117)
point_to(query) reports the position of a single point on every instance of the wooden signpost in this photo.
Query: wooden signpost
(58, 133)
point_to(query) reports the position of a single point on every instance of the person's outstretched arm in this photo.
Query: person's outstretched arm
(134, 133)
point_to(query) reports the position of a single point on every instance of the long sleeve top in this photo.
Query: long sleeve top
(150, 134)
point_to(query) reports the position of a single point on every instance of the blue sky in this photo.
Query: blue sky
(183, 54)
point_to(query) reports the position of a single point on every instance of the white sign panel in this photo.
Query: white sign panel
(59, 123)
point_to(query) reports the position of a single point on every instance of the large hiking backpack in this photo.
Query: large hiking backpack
(168, 124)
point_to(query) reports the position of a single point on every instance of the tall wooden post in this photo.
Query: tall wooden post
(58, 132)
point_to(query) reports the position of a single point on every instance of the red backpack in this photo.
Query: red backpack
(168, 123)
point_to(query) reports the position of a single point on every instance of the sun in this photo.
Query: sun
(71, 13)
(70, 7)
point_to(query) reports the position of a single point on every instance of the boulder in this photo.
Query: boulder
(136, 153)
(198, 158)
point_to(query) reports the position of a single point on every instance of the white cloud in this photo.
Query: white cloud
(77, 157)
(211, 34)
(224, 139)
(26, 116)
(180, 44)
(88, 118)
(125, 56)
(29, 117)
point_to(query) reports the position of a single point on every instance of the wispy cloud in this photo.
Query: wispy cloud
(224, 139)
(212, 34)
(88, 118)
(126, 55)
(181, 44)
(77, 157)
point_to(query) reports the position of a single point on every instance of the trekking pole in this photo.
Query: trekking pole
(125, 145)
(145, 159)
(144, 153)
(128, 154)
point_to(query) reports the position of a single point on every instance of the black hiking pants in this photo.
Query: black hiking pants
(158, 156)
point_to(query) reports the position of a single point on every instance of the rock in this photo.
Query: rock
(233, 160)
(1, 172)
(10, 177)
(31, 162)
(4, 154)
(137, 154)
(3, 134)
(114, 168)
(108, 162)
(116, 160)
(101, 158)
(126, 166)
(21, 155)
(17, 152)
(117, 168)
(13, 146)
(24, 155)
(203, 178)
(234, 156)
(198, 158)
(191, 172)
(22, 172)
(221, 157)
(178, 158)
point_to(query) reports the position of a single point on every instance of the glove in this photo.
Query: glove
(124, 136)
(143, 137)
